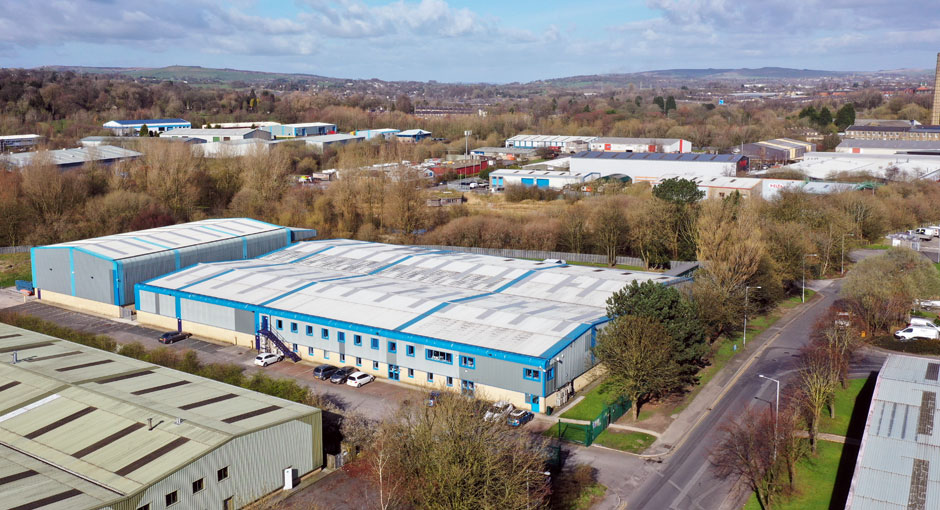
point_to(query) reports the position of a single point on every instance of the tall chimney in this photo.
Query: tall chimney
(935, 113)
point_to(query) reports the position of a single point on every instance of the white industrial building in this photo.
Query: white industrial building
(320, 142)
(385, 133)
(218, 135)
(824, 165)
(489, 326)
(154, 126)
(860, 146)
(233, 125)
(8, 142)
(300, 129)
(654, 167)
(558, 143)
(71, 158)
(499, 179)
(617, 144)
(86, 429)
(898, 466)
(232, 148)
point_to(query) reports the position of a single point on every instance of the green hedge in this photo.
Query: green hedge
(186, 361)
(911, 346)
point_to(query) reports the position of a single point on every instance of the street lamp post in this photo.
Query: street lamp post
(843, 250)
(744, 337)
(776, 410)
(803, 299)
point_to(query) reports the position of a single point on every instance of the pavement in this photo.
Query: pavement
(375, 400)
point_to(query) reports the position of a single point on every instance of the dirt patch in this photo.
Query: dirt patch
(344, 489)
(655, 416)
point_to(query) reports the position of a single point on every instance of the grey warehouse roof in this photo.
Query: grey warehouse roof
(891, 144)
(511, 305)
(899, 457)
(74, 421)
(617, 139)
(658, 156)
(78, 156)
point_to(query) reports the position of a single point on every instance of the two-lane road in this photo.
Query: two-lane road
(685, 481)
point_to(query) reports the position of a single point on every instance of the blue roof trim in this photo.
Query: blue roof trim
(158, 245)
(219, 230)
(571, 337)
(32, 264)
(77, 248)
(72, 270)
(358, 328)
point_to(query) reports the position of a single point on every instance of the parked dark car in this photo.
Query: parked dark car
(324, 372)
(173, 336)
(340, 376)
(519, 417)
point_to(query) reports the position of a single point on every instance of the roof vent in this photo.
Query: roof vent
(933, 370)
(178, 421)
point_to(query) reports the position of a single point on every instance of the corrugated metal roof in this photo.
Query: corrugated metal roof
(339, 137)
(899, 432)
(208, 132)
(143, 242)
(638, 141)
(890, 144)
(551, 138)
(659, 156)
(85, 412)
(149, 122)
(75, 156)
(512, 305)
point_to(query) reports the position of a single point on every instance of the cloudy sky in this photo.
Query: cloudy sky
(471, 40)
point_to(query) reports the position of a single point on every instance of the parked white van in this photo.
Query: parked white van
(914, 332)
(923, 323)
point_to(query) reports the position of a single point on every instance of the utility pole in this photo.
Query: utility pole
(776, 411)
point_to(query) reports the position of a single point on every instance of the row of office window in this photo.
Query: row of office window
(172, 498)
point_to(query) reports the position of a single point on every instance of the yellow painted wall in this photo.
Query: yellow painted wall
(211, 333)
(80, 304)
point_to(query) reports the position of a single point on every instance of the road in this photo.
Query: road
(685, 480)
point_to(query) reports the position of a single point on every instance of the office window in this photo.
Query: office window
(531, 374)
(439, 356)
(392, 347)
(293, 327)
(342, 358)
(358, 362)
(341, 337)
(222, 474)
(468, 362)
(375, 343)
(375, 365)
(279, 323)
(198, 486)
(411, 373)
(550, 374)
(172, 498)
(295, 348)
(450, 381)
(324, 333)
(309, 351)
(357, 339)
(430, 377)
(410, 350)
(309, 330)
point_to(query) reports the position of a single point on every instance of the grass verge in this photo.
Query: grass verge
(594, 401)
(633, 442)
(795, 301)
(845, 402)
(876, 247)
(568, 431)
(819, 480)
(14, 266)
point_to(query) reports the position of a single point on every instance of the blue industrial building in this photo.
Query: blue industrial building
(155, 126)
(499, 328)
(302, 129)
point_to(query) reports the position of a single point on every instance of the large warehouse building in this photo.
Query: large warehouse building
(499, 328)
(617, 144)
(654, 167)
(555, 142)
(99, 274)
(83, 429)
(899, 456)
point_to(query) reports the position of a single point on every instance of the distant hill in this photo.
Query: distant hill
(194, 74)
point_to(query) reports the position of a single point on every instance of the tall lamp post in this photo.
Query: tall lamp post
(803, 299)
(843, 251)
(776, 410)
(745, 313)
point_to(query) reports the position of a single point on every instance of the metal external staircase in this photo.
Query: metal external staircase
(268, 334)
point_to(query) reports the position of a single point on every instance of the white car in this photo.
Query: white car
(498, 411)
(357, 379)
(266, 358)
(915, 332)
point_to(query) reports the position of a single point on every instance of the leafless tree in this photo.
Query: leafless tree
(746, 451)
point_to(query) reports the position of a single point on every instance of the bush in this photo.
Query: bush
(518, 193)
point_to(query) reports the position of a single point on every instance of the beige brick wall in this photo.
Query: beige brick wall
(212, 333)
(80, 304)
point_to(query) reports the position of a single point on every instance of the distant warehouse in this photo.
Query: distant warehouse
(499, 328)
(84, 429)
(777, 151)
(65, 159)
(616, 144)
(219, 135)
(654, 167)
(154, 126)
(99, 274)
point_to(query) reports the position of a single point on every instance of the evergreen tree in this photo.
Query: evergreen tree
(670, 104)
(660, 102)
(144, 131)
(845, 117)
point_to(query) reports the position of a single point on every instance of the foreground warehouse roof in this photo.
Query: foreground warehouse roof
(80, 427)
(72, 157)
(898, 463)
(143, 242)
(479, 301)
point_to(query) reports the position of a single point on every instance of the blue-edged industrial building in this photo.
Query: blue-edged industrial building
(155, 126)
(301, 129)
(499, 328)
(99, 274)
(412, 135)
